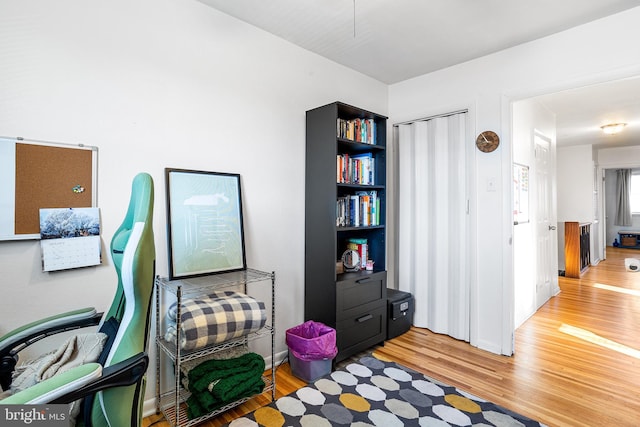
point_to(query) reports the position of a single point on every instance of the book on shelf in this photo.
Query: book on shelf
(359, 245)
(366, 168)
(369, 206)
(355, 169)
(358, 210)
(358, 130)
(354, 210)
(365, 209)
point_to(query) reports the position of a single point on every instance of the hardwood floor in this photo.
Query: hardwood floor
(577, 360)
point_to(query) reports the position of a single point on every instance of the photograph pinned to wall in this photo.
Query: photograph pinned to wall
(204, 223)
(520, 194)
(69, 238)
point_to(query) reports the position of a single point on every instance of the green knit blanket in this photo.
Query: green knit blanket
(214, 383)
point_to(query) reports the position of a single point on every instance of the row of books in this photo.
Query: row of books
(358, 130)
(360, 246)
(355, 169)
(358, 210)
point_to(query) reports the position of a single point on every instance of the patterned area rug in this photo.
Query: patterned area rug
(372, 392)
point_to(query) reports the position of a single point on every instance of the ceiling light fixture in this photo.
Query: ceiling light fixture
(613, 128)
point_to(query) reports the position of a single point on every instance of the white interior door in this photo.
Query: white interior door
(545, 228)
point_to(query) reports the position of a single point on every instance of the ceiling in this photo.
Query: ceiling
(580, 113)
(392, 41)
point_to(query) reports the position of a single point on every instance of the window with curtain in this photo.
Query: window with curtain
(623, 197)
(634, 196)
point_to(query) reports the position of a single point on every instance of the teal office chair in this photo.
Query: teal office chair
(113, 387)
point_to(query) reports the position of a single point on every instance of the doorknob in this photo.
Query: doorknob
(552, 227)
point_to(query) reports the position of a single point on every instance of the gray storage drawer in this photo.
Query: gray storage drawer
(362, 331)
(359, 293)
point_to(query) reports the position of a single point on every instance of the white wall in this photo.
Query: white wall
(620, 157)
(575, 191)
(575, 183)
(596, 52)
(164, 83)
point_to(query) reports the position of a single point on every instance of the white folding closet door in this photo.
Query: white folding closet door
(433, 222)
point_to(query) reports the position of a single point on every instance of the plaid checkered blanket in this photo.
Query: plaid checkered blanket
(215, 318)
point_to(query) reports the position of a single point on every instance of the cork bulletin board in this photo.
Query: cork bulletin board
(38, 174)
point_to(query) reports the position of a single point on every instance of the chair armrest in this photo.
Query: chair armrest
(52, 389)
(124, 373)
(34, 331)
(18, 339)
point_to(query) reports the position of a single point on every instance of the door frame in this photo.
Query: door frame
(602, 205)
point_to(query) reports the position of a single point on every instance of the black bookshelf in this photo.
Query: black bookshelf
(354, 303)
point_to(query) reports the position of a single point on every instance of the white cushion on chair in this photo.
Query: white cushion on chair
(77, 350)
(57, 386)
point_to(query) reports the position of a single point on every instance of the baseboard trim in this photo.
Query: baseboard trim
(149, 407)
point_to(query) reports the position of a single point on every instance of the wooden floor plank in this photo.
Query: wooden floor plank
(556, 377)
